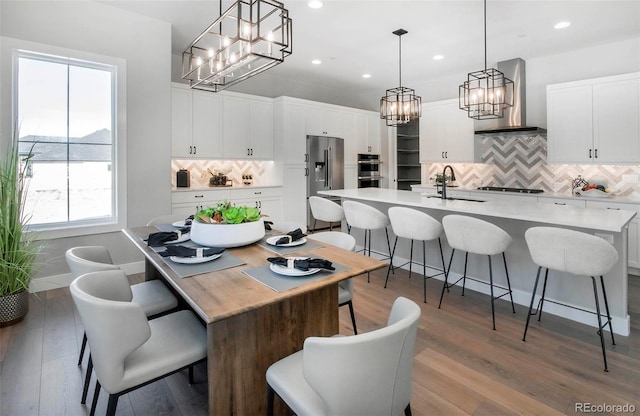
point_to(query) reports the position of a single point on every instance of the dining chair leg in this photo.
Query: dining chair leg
(87, 381)
(270, 399)
(544, 291)
(94, 402)
(407, 410)
(112, 404)
(391, 262)
(606, 305)
(533, 295)
(493, 311)
(353, 317)
(600, 332)
(82, 348)
(314, 225)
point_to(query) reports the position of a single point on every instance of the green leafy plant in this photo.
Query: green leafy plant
(18, 248)
(229, 213)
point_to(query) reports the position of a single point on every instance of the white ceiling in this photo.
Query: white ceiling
(352, 37)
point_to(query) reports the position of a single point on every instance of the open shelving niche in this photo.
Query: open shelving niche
(408, 166)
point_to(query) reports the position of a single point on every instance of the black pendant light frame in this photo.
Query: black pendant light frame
(485, 94)
(400, 105)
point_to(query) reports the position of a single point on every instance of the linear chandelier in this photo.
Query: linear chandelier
(400, 105)
(250, 37)
(485, 94)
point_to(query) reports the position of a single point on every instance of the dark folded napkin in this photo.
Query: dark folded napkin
(182, 251)
(303, 264)
(291, 236)
(267, 225)
(159, 238)
(189, 220)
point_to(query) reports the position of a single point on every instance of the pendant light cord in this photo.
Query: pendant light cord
(400, 60)
(485, 35)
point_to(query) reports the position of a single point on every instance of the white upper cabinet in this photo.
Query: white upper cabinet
(367, 133)
(290, 131)
(247, 128)
(446, 133)
(594, 121)
(348, 128)
(195, 124)
(322, 121)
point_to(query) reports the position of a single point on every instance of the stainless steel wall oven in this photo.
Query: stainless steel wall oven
(369, 170)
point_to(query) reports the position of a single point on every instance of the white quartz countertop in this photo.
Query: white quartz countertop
(521, 209)
(219, 188)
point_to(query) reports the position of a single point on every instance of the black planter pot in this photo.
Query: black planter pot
(13, 308)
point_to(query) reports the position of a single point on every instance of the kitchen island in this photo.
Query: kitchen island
(569, 298)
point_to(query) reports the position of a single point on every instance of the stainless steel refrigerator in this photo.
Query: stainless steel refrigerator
(325, 170)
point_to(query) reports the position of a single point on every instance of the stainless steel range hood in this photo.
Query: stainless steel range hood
(514, 120)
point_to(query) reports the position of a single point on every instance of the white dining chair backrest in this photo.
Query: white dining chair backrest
(86, 259)
(363, 216)
(336, 238)
(570, 251)
(474, 235)
(413, 224)
(366, 374)
(115, 326)
(326, 210)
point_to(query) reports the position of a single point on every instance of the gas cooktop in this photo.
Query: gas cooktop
(504, 189)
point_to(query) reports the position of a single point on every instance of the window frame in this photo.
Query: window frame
(118, 96)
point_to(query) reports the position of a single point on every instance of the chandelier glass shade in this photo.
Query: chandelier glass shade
(247, 39)
(400, 105)
(487, 93)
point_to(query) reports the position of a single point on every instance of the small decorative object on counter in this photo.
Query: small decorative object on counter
(577, 184)
(247, 179)
(589, 189)
(183, 179)
(218, 179)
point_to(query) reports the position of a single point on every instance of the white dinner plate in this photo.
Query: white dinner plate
(181, 239)
(194, 260)
(272, 241)
(285, 271)
(179, 224)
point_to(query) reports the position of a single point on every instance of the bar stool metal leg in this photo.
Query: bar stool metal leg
(444, 268)
(464, 275)
(393, 252)
(595, 294)
(87, 381)
(82, 348)
(544, 291)
(506, 272)
(606, 305)
(446, 278)
(533, 295)
(493, 311)
(424, 268)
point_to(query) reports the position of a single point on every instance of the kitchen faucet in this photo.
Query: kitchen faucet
(444, 180)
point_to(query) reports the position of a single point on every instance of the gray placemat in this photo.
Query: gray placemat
(225, 261)
(283, 251)
(280, 283)
(166, 227)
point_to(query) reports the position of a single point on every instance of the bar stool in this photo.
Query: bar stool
(368, 218)
(324, 209)
(476, 236)
(576, 253)
(415, 225)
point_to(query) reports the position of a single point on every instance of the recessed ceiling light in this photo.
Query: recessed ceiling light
(366, 75)
(316, 62)
(561, 25)
(438, 57)
(315, 4)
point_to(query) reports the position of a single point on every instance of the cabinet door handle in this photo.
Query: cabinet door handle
(247, 151)
(306, 171)
(306, 157)
(260, 204)
(257, 193)
(195, 150)
(613, 209)
(442, 155)
(560, 203)
(446, 155)
(190, 150)
(589, 153)
(199, 196)
(596, 153)
(251, 151)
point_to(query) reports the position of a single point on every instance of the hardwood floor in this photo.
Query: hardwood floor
(462, 366)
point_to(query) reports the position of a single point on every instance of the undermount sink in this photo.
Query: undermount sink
(451, 198)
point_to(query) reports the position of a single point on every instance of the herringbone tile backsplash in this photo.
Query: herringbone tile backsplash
(234, 169)
(521, 162)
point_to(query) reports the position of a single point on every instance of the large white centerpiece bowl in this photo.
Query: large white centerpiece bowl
(227, 235)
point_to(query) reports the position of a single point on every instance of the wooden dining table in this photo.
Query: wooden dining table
(249, 325)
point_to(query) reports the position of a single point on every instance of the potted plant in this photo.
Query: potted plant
(18, 248)
(226, 225)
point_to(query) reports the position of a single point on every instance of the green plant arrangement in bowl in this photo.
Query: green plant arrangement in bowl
(226, 225)
(18, 248)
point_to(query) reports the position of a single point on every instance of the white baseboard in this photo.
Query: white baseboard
(64, 280)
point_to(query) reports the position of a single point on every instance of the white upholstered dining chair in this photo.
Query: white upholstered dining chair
(345, 287)
(128, 350)
(367, 374)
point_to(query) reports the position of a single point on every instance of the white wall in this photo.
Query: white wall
(145, 44)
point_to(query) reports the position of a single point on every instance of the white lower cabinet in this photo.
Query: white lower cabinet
(190, 202)
(634, 228)
(295, 193)
(267, 200)
(563, 201)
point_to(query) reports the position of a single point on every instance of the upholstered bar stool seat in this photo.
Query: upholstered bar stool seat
(367, 218)
(576, 253)
(345, 287)
(415, 225)
(324, 209)
(476, 236)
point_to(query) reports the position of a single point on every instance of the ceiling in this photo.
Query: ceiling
(353, 37)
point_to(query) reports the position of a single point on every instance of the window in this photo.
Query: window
(66, 116)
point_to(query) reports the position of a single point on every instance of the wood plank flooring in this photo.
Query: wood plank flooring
(461, 367)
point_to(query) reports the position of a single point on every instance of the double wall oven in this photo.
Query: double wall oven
(369, 170)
